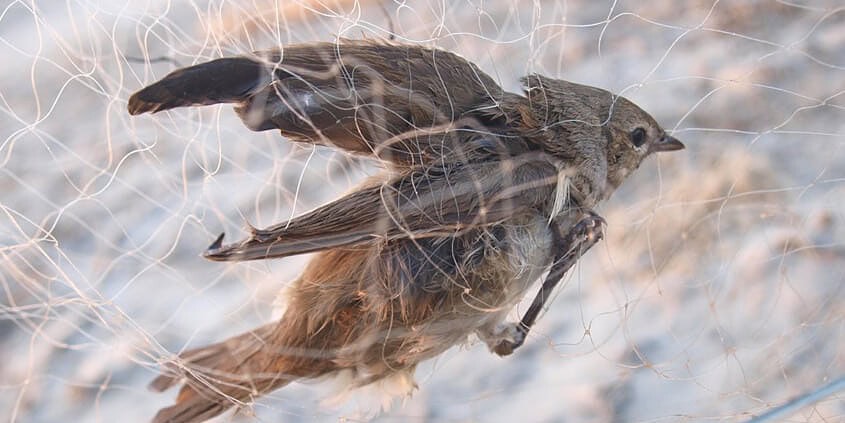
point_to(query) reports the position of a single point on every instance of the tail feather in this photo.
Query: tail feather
(228, 80)
(234, 372)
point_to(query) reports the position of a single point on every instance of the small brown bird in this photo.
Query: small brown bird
(483, 191)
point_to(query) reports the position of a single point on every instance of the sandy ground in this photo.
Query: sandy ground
(717, 294)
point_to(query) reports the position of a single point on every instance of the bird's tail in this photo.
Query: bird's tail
(228, 80)
(236, 371)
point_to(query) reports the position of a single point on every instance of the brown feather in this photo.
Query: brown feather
(341, 95)
(442, 245)
(416, 204)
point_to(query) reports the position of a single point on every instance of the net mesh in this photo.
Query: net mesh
(717, 294)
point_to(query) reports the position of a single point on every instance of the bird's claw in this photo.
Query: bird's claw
(513, 336)
(596, 219)
(590, 227)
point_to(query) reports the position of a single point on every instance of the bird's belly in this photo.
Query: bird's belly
(457, 287)
(505, 275)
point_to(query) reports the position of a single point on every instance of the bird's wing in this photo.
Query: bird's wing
(419, 203)
(361, 96)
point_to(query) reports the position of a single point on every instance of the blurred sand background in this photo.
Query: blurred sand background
(717, 294)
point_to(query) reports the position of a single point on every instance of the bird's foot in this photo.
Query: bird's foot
(589, 228)
(506, 338)
(593, 226)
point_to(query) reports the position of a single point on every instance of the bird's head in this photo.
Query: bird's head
(589, 119)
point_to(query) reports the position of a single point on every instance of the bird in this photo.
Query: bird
(481, 192)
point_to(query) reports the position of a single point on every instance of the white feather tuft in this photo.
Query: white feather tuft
(561, 193)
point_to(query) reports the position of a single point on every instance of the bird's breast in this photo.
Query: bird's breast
(520, 252)
(485, 269)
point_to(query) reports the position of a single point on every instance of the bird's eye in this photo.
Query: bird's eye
(638, 137)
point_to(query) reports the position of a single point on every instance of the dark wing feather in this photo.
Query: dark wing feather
(361, 96)
(419, 203)
(230, 80)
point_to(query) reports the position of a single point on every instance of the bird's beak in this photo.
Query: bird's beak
(665, 143)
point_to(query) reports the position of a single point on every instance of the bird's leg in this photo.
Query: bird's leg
(570, 247)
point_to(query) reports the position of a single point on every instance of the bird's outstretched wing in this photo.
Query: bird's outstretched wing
(361, 96)
(419, 203)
